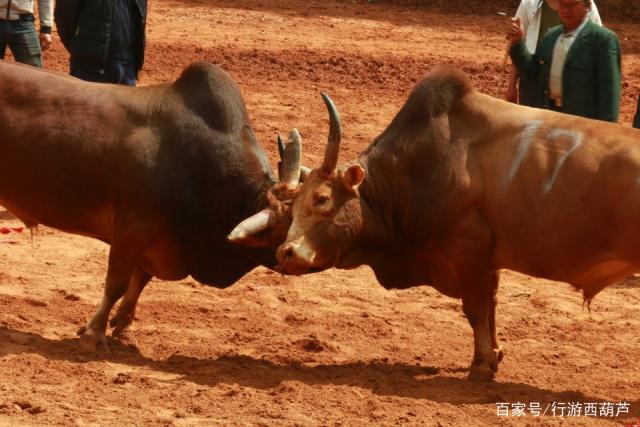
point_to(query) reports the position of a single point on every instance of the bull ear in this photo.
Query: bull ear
(352, 177)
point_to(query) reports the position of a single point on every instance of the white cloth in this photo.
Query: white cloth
(45, 10)
(560, 50)
(530, 12)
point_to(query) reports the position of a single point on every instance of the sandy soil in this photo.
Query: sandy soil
(328, 349)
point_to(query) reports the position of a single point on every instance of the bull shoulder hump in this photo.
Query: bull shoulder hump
(211, 94)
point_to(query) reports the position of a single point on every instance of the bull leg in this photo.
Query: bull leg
(478, 304)
(123, 320)
(118, 275)
(497, 348)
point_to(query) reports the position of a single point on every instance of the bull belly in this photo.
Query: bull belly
(94, 222)
(590, 277)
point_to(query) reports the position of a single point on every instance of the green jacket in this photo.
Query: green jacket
(591, 76)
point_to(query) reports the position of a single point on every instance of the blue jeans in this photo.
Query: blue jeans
(21, 37)
(114, 72)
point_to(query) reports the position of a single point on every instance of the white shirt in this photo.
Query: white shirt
(45, 9)
(530, 12)
(558, 59)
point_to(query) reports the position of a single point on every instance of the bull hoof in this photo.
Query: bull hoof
(126, 337)
(120, 320)
(91, 341)
(481, 374)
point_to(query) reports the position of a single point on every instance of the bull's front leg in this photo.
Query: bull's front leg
(479, 304)
(119, 272)
(123, 320)
(470, 249)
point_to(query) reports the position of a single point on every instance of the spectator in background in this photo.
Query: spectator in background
(636, 121)
(576, 66)
(17, 30)
(536, 17)
(106, 38)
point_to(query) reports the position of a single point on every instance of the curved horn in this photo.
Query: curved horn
(252, 225)
(291, 160)
(304, 173)
(281, 153)
(280, 147)
(333, 143)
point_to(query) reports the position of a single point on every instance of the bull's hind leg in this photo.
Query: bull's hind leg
(478, 304)
(497, 348)
(123, 320)
(118, 275)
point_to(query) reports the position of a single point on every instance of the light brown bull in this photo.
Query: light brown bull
(461, 185)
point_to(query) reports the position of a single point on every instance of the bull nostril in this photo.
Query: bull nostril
(285, 254)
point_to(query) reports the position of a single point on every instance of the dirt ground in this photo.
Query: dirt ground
(327, 349)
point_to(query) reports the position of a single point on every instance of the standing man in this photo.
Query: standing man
(536, 17)
(17, 30)
(576, 66)
(106, 38)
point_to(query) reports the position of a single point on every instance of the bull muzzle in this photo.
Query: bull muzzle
(294, 257)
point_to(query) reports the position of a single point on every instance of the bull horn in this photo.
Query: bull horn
(291, 160)
(281, 153)
(304, 173)
(280, 147)
(333, 143)
(253, 225)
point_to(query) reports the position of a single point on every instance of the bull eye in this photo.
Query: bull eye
(321, 200)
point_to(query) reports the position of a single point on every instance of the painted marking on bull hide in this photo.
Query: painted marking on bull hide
(576, 138)
(526, 138)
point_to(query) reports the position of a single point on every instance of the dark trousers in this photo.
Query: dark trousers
(636, 121)
(21, 37)
(552, 106)
(114, 72)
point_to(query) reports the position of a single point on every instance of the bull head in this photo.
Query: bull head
(291, 174)
(327, 214)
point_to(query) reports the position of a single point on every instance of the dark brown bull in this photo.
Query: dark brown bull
(461, 185)
(161, 173)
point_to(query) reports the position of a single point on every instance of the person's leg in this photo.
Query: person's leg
(636, 121)
(83, 73)
(3, 38)
(23, 42)
(122, 74)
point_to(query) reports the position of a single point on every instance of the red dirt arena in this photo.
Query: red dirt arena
(333, 348)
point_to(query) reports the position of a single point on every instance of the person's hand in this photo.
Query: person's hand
(514, 31)
(45, 41)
